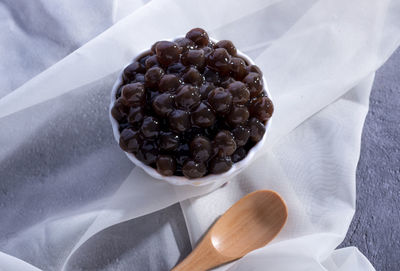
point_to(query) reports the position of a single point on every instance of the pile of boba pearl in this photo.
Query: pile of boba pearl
(191, 107)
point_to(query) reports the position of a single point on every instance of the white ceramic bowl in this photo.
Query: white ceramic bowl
(181, 180)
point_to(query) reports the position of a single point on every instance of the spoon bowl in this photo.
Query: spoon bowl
(249, 224)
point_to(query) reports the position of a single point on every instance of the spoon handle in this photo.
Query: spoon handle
(202, 258)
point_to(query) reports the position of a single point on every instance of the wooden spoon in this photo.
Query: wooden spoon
(250, 223)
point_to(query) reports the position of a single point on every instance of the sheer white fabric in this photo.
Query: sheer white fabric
(64, 179)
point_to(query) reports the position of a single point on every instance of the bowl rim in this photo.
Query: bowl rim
(182, 180)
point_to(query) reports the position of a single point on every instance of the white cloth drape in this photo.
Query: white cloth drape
(63, 178)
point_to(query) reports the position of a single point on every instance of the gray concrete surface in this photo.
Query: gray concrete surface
(375, 228)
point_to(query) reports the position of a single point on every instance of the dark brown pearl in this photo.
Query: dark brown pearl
(130, 140)
(240, 92)
(124, 125)
(228, 45)
(144, 57)
(176, 68)
(131, 70)
(200, 148)
(136, 114)
(119, 110)
(262, 108)
(187, 97)
(153, 48)
(166, 165)
(254, 68)
(150, 127)
(168, 52)
(220, 100)
(254, 83)
(238, 115)
(192, 169)
(220, 164)
(139, 78)
(207, 50)
(211, 76)
(241, 134)
(205, 90)
(169, 141)
(224, 143)
(226, 81)
(150, 62)
(194, 58)
(169, 82)
(219, 60)
(192, 76)
(257, 129)
(239, 155)
(163, 104)
(185, 44)
(179, 120)
(238, 68)
(203, 116)
(133, 94)
(153, 76)
(245, 60)
(148, 152)
(198, 36)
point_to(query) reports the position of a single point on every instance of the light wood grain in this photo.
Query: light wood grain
(250, 223)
